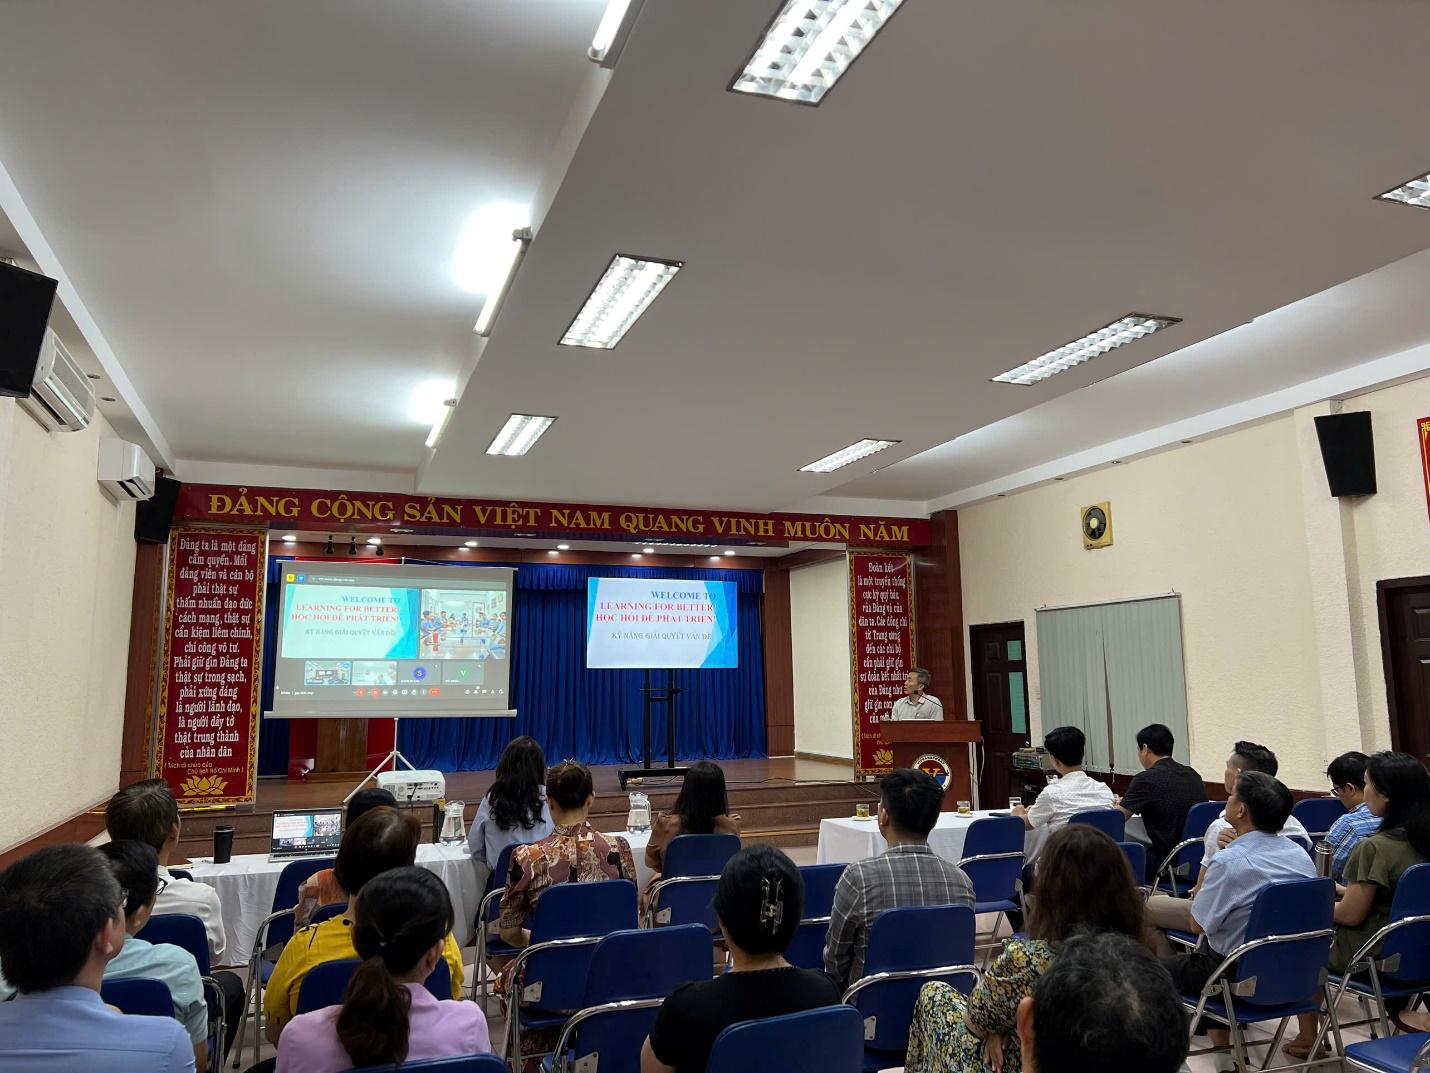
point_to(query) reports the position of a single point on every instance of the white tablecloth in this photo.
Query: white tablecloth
(848, 839)
(246, 886)
(639, 841)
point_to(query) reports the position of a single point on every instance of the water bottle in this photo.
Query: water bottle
(1323, 858)
(638, 820)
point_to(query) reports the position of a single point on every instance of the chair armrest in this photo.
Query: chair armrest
(653, 895)
(1172, 854)
(563, 1042)
(262, 933)
(1370, 944)
(1230, 959)
(911, 974)
(990, 857)
(212, 985)
(814, 920)
(482, 909)
(513, 994)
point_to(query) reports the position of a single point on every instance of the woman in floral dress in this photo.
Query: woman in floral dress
(1084, 882)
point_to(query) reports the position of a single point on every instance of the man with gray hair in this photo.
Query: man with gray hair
(916, 704)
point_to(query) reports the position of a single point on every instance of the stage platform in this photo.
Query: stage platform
(780, 801)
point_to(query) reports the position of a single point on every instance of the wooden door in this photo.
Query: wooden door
(1000, 703)
(1405, 647)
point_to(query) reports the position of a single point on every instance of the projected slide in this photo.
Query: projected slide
(643, 622)
(357, 639)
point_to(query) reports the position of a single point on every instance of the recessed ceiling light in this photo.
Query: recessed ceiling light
(470, 544)
(853, 453)
(553, 551)
(563, 547)
(1117, 461)
(809, 45)
(519, 434)
(93, 376)
(1059, 478)
(1189, 441)
(648, 551)
(374, 540)
(714, 558)
(290, 539)
(625, 290)
(1120, 332)
(1415, 193)
(729, 553)
(636, 555)
(106, 398)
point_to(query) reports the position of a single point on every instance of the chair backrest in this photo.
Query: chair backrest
(1289, 971)
(181, 873)
(1110, 820)
(807, 948)
(699, 855)
(327, 912)
(1317, 814)
(459, 1063)
(1406, 951)
(681, 900)
(325, 984)
(642, 963)
(182, 930)
(573, 911)
(1137, 857)
(1199, 818)
(922, 937)
(829, 1040)
(293, 876)
(995, 880)
(141, 996)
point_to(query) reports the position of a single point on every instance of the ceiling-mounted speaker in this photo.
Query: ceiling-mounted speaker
(1348, 451)
(25, 302)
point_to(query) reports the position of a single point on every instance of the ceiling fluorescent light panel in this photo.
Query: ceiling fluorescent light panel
(625, 291)
(1120, 332)
(519, 434)
(809, 46)
(1415, 193)
(851, 454)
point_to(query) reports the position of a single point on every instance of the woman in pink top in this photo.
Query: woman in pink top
(400, 922)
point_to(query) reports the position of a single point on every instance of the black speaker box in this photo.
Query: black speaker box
(1348, 451)
(25, 301)
(154, 517)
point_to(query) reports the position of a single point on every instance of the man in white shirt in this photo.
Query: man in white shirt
(1073, 791)
(1167, 912)
(916, 704)
(147, 811)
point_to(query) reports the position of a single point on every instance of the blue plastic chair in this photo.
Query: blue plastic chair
(138, 995)
(1317, 814)
(907, 949)
(548, 978)
(693, 864)
(631, 974)
(1399, 1054)
(1401, 969)
(1137, 857)
(274, 931)
(1279, 971)
(829, 1040)
(326, 983)
(188, 933)
(993, 862)
(1109, 820)
(807, 948)
(460, 1063)
(181, 873)
(327, 912)
(1184, 860)
(489, 940)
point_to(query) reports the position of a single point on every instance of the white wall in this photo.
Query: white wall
(1280, 628)
(819, 630)
(66, 580)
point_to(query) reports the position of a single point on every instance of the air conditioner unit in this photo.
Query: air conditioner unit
(61, 398)
(125, 470)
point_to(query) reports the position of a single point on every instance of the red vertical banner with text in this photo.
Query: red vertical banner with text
(209, 684)
(881, 623)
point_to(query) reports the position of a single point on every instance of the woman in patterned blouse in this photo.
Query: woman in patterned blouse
(1084, 882)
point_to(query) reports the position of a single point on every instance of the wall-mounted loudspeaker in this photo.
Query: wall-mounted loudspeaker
(25, 301)
(153, 517)
(1348, 451)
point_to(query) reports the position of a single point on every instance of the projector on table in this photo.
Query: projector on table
(409, 786)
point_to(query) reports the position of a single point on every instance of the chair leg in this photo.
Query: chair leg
(1276, 1043)
(249, 988)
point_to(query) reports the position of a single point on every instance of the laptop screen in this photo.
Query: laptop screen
(311, 831)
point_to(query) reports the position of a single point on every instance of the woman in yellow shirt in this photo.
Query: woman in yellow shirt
(378, 841)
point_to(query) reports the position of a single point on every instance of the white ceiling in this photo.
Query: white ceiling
(259, 204)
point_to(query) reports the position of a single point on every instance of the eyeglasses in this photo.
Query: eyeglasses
(163, 883)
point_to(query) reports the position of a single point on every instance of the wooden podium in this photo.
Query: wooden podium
(946, 741)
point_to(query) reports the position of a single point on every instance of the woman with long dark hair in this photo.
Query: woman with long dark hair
(400, 922)
(1084, 883)
(515, 810)
(701, 808)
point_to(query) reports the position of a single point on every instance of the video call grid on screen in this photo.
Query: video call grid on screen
(384, 640)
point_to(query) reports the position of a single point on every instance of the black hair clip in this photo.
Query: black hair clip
(772, 906)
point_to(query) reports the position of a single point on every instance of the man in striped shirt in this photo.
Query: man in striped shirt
(908, 874)
(1347, 775)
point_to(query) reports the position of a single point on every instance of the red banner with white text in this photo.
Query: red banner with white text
(209, 686)
(881, 621)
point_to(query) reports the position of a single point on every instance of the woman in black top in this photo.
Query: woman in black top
(759, 902)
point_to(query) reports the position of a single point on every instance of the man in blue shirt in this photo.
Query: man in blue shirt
(61, 923)
(1256, 858)
(1347, 775)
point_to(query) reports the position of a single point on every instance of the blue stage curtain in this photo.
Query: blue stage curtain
(594, 716)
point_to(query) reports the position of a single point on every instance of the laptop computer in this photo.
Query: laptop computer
(299, 833)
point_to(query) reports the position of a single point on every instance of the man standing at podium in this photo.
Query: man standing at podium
(916, 704)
